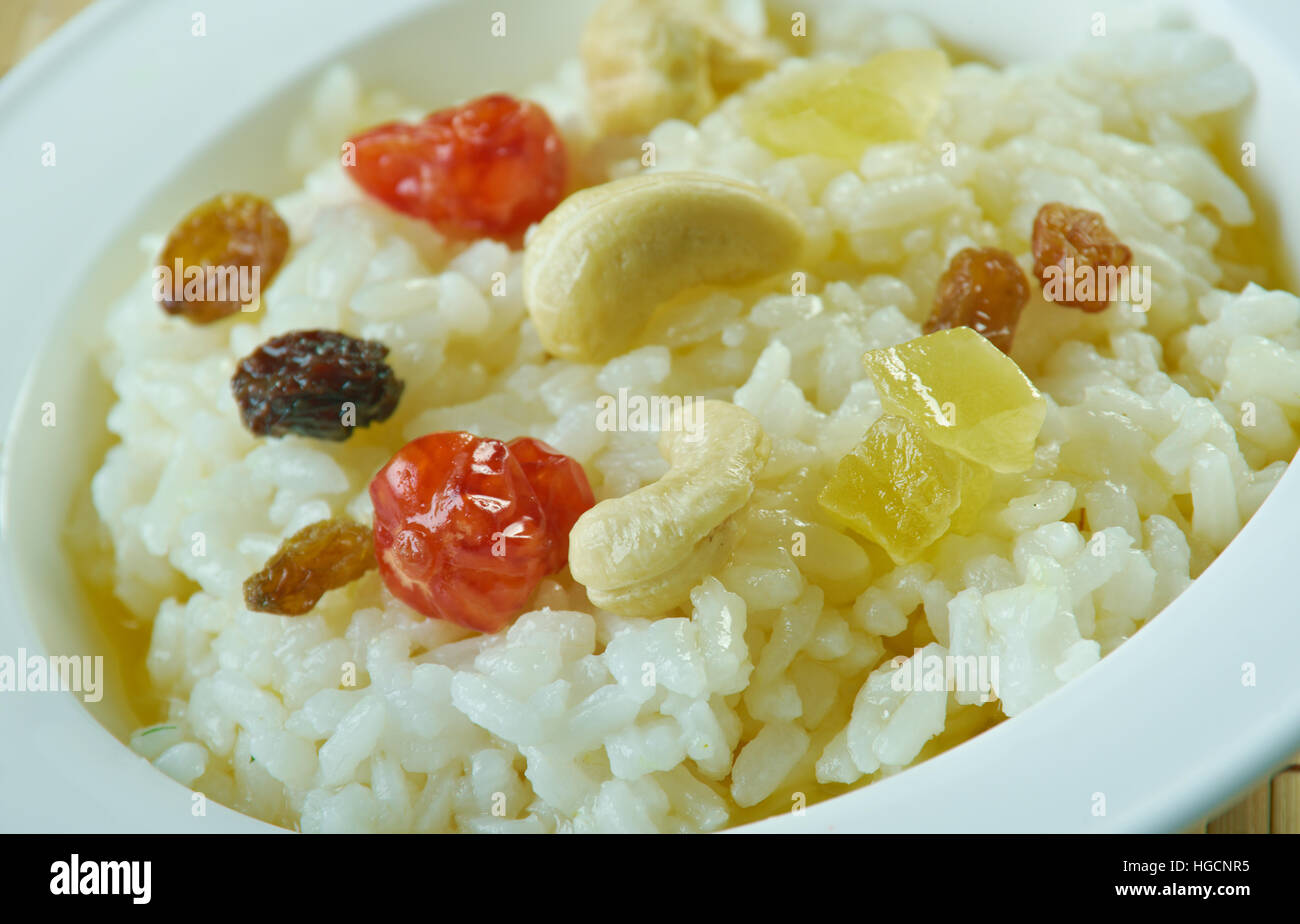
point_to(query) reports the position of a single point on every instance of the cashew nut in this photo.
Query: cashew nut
(598, 265)
(650, 60)
(643, 552)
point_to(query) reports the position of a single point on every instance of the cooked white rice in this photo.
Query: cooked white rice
(1169, 428)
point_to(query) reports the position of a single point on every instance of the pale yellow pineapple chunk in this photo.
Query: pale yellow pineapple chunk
(964, 394)
(900, 490)
(838, 110)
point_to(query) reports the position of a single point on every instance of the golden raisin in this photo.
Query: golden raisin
(220, 257)
(983, 288)
(320, 557)
(1075, 244)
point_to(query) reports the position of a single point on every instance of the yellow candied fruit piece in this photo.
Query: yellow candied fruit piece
(838, 110)
(964, 394)
(976, 489)
(900, 490)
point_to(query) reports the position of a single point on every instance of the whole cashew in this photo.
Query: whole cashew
(643, 552)
(597, 266)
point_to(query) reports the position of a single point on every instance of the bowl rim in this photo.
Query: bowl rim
(1154, 778)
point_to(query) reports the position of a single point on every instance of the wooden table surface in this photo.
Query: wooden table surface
(1272, 806)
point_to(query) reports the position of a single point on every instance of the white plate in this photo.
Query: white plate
(146, 117)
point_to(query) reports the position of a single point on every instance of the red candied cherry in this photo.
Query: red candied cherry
(488, 168)
(465, 527)
(459, 534)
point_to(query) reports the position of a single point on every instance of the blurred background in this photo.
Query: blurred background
(25, 23)
(1272, 806)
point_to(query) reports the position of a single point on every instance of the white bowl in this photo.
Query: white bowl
(146, 117)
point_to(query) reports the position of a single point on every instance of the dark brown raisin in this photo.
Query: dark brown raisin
(320, 557)
(1063, 233)
(228, 235)
(983, 288)
(318, 383)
